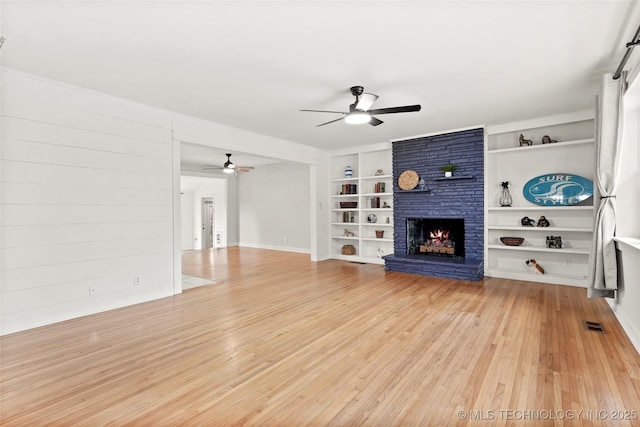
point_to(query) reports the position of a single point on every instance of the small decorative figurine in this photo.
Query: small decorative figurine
(527, 222)
(547, 140)
(380, 253)
(543, 222)
(379, 172)
(534, 267)
(505, 195)
(385, 205)
(554, 242)
(524, 142)
(348, 233)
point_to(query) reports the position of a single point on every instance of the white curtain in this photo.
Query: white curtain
(603, 271)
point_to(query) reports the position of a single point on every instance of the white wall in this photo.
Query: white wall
(274, 207)
(87, 202)
(186, 220)
(90, 198)
(192, 130)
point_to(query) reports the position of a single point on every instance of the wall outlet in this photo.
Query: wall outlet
(137, 281)
(92, 289)
(567, 262)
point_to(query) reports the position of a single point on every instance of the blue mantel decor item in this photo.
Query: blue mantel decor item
(348, 172)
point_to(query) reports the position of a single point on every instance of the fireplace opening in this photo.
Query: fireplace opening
(439, 237)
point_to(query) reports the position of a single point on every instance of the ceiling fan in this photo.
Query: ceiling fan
(359, 111)
(229, 166)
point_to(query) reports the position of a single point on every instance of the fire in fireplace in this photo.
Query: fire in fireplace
(435, 237)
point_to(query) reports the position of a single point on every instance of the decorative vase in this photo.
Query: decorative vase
(505, 195)
(348, 172)
(379, 234)
(448, 174)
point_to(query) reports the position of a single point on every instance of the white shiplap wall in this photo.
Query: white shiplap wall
(87, 202)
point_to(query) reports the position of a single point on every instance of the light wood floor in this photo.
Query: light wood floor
(279, 340)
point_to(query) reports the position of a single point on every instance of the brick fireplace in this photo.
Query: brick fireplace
(444, 205)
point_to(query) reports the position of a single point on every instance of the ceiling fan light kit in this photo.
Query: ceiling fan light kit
(357, 117)
(229, 166)
(359, 112)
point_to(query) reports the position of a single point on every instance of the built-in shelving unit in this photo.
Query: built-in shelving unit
(365, 165)
(505, 160)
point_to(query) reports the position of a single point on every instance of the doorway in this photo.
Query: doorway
(207, 222)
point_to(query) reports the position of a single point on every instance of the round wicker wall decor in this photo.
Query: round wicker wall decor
(408, 180)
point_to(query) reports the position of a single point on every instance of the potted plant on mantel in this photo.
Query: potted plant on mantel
(448, 169)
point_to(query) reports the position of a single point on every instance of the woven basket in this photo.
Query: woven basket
(348, 250)
(512, 241)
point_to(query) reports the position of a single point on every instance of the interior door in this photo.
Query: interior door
(207, 222)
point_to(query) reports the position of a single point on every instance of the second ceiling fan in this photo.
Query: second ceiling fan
(229, 166)
(359, 111)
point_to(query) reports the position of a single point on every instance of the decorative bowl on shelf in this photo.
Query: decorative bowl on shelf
(347, 205)
(512, 241)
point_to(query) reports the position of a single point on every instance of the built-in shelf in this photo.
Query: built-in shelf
(378, 209)
(541, 249)
(365, 165)
(541, 229)
(376, 194)
(538, 208)
(557, 279)
(506, 160)
(379, 177)
(540, 146)
(345, 237)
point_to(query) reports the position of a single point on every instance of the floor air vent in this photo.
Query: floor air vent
(593, 326)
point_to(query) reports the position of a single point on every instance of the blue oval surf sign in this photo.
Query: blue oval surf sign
(557, 189)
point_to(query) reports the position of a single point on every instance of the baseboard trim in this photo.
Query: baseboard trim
(274, 248)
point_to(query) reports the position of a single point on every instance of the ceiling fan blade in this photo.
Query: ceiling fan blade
(325, 111)
(404, 109)
(210, 167)
(366, 101)
(244, 169)
(375, 122)
(332, 121)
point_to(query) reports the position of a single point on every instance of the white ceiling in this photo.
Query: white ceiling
(201, 155)
(255, 64)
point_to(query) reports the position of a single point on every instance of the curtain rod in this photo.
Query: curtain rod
(633, 43)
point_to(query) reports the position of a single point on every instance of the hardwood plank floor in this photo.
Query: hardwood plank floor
(279, 340)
